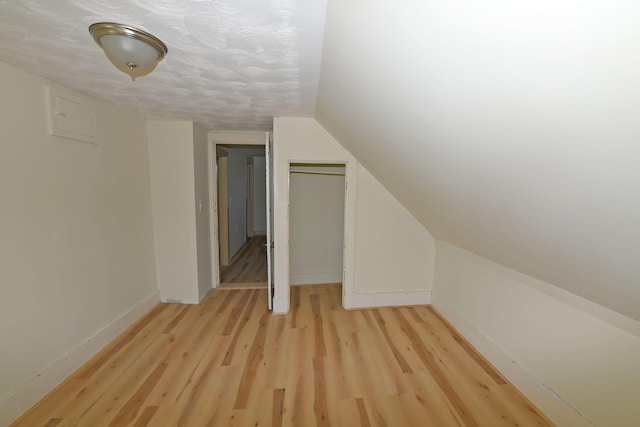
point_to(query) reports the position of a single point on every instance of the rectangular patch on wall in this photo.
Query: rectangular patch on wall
(71, 115)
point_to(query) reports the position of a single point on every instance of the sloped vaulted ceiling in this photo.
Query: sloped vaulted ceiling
(511, 129)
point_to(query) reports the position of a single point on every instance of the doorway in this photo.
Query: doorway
(242, 216)
(316, 223)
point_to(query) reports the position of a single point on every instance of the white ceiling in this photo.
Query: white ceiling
(509, 128)
(231, 64)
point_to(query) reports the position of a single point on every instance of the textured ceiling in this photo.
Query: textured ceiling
(231, 64)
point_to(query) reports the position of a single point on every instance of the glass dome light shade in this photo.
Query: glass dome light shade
(132, 51)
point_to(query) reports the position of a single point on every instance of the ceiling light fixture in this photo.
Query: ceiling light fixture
(131, 50)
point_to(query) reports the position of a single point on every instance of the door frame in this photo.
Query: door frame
(223, 210)
(282, 160)
(342, 164)
(216, 138)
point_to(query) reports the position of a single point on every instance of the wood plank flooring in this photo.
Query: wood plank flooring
(229, 362)
(248, 268)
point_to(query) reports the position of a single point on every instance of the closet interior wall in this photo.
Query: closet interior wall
(317, 193)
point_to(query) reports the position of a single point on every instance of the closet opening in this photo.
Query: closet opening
(316, 224)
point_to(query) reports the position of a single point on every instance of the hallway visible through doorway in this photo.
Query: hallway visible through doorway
(248, 268)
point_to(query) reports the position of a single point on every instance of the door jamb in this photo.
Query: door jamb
(222, 138)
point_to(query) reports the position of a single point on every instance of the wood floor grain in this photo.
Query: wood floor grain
(248, 268)
(229, 362)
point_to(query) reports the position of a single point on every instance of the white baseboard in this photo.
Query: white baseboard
(315, 278)
(552, 405)
(28, 394)
(386, 299)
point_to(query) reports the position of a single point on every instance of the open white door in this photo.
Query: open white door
(270, 245)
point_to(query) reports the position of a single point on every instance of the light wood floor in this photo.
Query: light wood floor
(229, 362)
(249, 267)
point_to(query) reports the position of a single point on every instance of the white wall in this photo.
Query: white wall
(171, 155)
(237, 198)
(507, 128)
(300, 140)
(259, 195)
(391, 239)
(203, 230)
(76, 240)
(316, 225)
(556, 347)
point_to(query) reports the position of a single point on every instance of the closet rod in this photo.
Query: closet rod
(318, 173)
